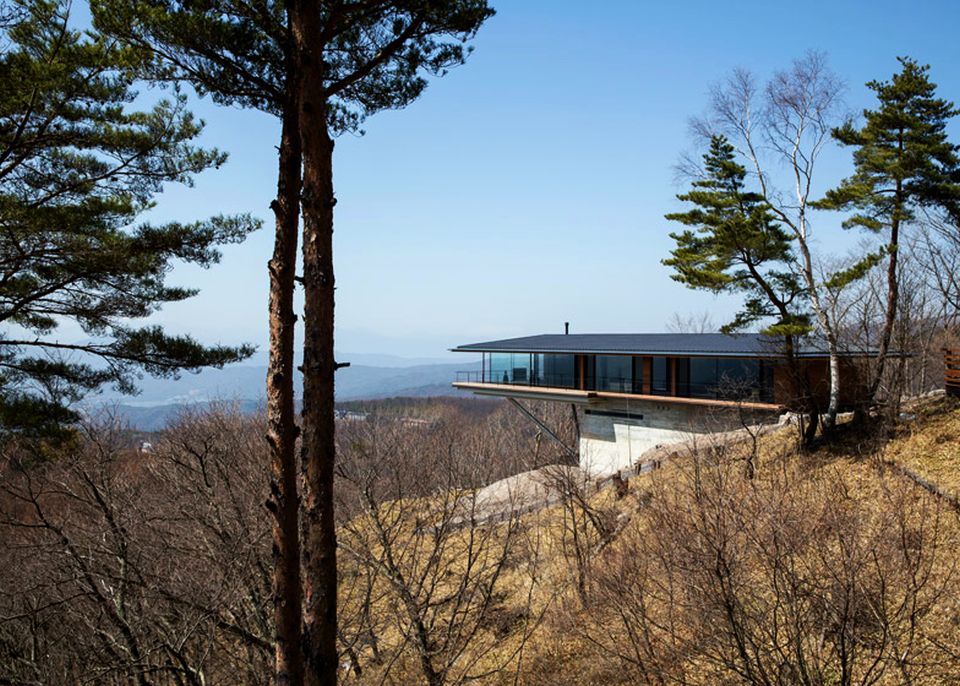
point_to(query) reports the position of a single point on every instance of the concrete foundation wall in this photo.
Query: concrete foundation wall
(614, 434)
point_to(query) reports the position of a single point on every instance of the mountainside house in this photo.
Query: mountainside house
(641, 391)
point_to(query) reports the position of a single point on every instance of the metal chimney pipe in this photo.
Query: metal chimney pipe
(566, 328)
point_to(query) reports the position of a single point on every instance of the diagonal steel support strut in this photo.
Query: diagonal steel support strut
(536, 420)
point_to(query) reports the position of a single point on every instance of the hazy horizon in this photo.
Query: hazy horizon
(528, 187)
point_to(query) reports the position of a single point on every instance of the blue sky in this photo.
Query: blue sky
(528, 187)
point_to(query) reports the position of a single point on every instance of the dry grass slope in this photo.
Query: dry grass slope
(834, 566)
(826, 568)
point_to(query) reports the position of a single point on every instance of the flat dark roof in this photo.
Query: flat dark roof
(692, 344)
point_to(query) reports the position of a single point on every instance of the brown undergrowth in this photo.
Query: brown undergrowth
(826, 567)
(734, 563)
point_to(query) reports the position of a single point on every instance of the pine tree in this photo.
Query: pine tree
(903, 161)
(322, 67)
(241, 54)
(786, 122)
(737, 247)
(78, 165)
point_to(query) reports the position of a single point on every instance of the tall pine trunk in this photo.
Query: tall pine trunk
(893, 294)
(282, 429)
(317, 443)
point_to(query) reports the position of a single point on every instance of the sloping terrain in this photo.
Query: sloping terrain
(833, 566)
(827, 566)
(929, 443)
(745, 563)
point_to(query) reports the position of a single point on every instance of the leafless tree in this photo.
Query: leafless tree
(693, 322)
(584, 526)
(923, 325)
(937, 253)
(138, 567)
(919, 327)
(153, 566)
(794, 578)
(429, 559)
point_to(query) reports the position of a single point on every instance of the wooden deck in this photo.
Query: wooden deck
(572, 395)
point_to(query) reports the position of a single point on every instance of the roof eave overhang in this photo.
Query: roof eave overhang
(657, 353)
(683, 353)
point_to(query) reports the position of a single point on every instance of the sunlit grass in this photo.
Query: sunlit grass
(534, 631)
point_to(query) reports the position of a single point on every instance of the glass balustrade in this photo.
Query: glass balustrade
(714, 378)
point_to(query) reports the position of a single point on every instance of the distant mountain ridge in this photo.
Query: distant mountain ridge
(161, 399)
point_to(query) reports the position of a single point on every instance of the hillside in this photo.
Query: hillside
(828, 567)
(833, 566)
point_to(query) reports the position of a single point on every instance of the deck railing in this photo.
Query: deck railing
(951, 373)
(512, 379)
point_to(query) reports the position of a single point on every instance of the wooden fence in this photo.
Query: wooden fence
(951, 374)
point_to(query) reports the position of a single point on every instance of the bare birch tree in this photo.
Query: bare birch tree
(786, 121)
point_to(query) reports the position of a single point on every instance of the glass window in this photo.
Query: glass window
(499, 368)
(660, 381)
(738, 379)
(724, 378)
(556, 371)
(682, 374)
(614, 373)
(510, 368)
(766, 381)
(697, 377)
(638, 375)
(703, 377)
(589, 371)
(521, 368)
